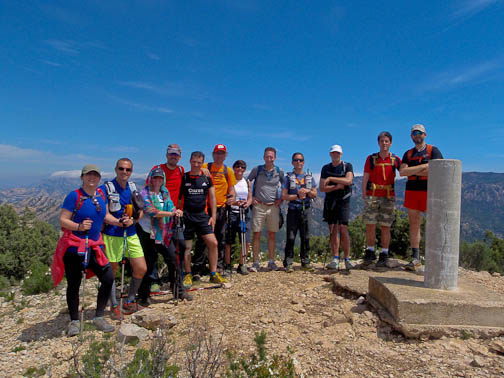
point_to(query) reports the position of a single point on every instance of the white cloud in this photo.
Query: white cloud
(476, 73)
(66, 46)
(149, 108)
(467, 8)
(9, 152)
(77, 174)
(51, 63)
(153, 56)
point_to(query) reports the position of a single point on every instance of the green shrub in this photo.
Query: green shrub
(259, 364)
(4, 283)
(38, 280)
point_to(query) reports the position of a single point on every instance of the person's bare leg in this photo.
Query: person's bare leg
(370, 235)
(415, 220)
(227, 254)
(256, 243)
(138, 266)
(187, 256)
(271, 245)
(211, 243)
(334, 239)
(345, 240)
(385, 237)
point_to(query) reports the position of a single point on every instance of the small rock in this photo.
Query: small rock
(240, 294)
(497, 346)
(392, 263)
(496, 274)
(227, 285)
(360, 300)
(153, 319)
(294, 301)
(302, 311)
(477, 362)
(130, 332)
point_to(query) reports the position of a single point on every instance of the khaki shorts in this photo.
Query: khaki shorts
(114, 247)
(263, 213)
(379, 210)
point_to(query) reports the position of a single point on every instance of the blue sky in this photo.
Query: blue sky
(92, 81)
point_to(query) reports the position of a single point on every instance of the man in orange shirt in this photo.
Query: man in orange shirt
(224, 181)
(379, 198)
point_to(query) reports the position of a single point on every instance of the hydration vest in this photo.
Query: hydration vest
(428, 149)
(394, 162)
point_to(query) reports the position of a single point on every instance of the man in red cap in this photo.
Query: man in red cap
(224, 181)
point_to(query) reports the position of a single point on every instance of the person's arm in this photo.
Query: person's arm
(213, 206)
(419, 170)
(231, 195)
(365, 179)
(67, 222)
(249, 197)
(110, 219)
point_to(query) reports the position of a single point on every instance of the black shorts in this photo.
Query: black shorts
(337, 211)
(196, 223)
(233, 227)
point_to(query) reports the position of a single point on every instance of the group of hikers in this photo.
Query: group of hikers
(105, 225)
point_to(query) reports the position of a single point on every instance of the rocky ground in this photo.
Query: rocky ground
(330, 335)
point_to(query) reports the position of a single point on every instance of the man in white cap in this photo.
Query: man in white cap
(415, 165)
(336, 180)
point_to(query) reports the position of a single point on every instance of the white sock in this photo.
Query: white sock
(385, 250)
(370, 248)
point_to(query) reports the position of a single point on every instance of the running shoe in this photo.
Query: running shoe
(102, 325)
(413, 265)
(242, 269)
(289, 269)
(188, 280)
(382, 260)
(217, 279)
(334, 264)
(73, 328)
(307, 267)
(255, 267)
(272, 266)
(348, 264)
(131, 307)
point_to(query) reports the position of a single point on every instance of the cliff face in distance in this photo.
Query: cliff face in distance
(482, 202)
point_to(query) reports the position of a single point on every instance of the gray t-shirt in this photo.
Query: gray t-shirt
(267, 185)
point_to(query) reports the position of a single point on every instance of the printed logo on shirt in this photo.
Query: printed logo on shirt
(195, 191)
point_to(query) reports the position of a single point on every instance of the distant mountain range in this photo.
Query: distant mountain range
(482, 202)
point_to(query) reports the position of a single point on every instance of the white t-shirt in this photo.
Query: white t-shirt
(241, 188)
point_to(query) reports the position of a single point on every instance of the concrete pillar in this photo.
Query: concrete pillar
(443, 224)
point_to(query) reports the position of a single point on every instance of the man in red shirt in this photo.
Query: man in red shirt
(379, 198)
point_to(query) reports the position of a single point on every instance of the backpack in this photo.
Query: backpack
(81, 197)
(394, 160)
(259, 169)
(114, 200)
(429, 153)
(225, 170)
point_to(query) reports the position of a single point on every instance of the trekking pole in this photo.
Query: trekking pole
(128, 210)
(243, 239)
(178, 228)
(83, 279)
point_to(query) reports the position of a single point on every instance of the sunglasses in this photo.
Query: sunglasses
(241, 166)
(416, 132)
(97, 205)
(124, 169)
(297, 160)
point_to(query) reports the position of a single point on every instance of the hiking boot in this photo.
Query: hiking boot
(131, 307)
(182, 295)
(334, 264)
(102, 325)
(272, 266)
(115, 313)
(146, 302)
(73, 328)
(217, 279)
(369, 257)
(289, 269)
(255, 267)
(413, 265)
(242, 269)
(348, 264)
(188, 280)
(382, 260)
(228, 270)
(307, 267)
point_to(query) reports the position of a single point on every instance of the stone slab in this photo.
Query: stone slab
(408, 301)
(401, 299)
